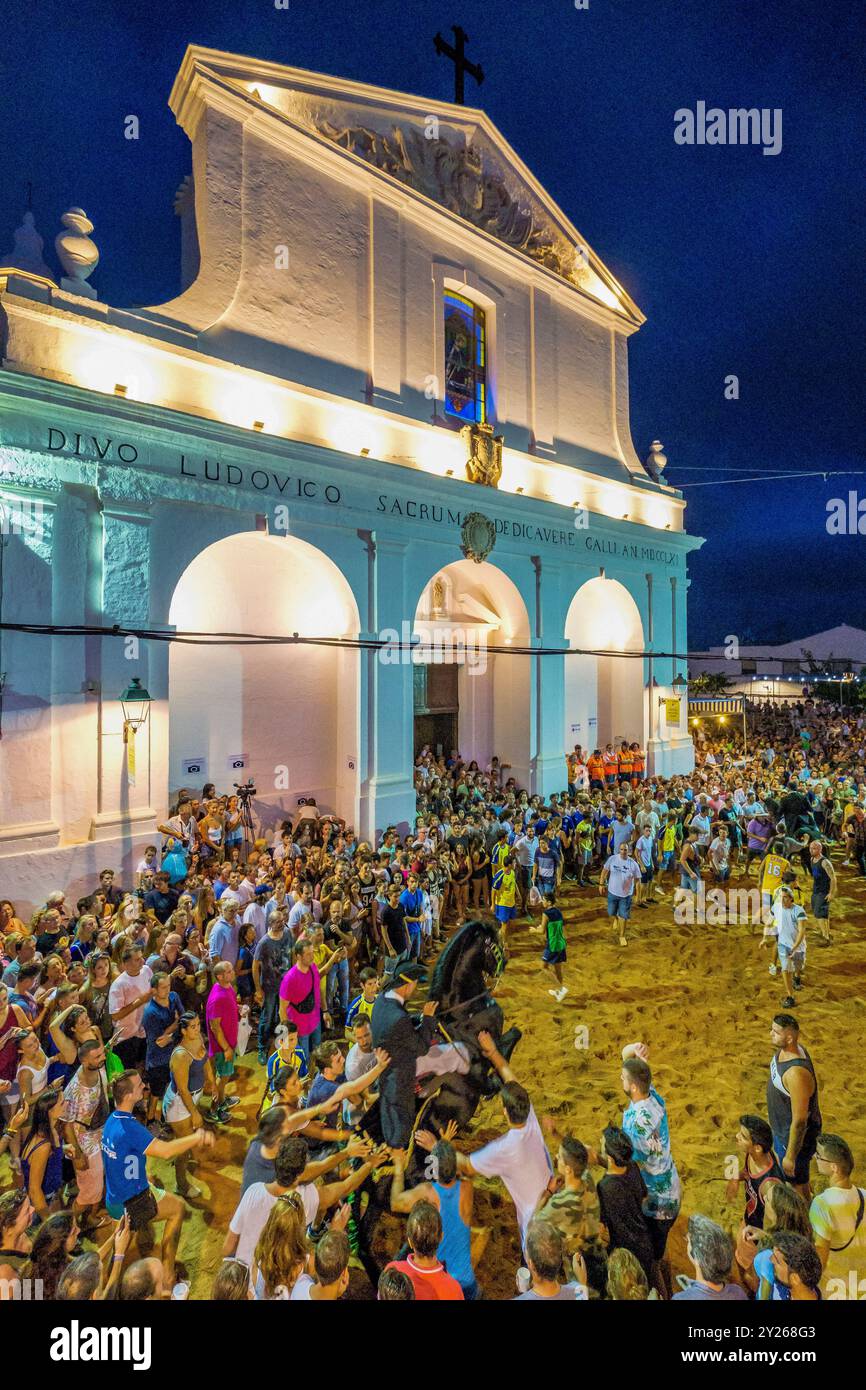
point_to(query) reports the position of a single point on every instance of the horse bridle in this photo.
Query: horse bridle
(499, 958)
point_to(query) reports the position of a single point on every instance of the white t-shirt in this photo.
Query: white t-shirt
(123, 991)
(521, 1160)
(787, 921)
(299, 911)
(622, 875)
(833, 1215)
(245, 892)
(644, 851)
(253, 1210)
(720, 851)
(301, 1291)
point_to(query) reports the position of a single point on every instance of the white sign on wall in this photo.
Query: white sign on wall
(236, 762)
(194, 767)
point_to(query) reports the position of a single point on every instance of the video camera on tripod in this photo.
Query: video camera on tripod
(245, 790)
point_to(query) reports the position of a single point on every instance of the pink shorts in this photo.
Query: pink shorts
(91, 1181)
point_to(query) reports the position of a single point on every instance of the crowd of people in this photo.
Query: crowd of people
(124, 1016)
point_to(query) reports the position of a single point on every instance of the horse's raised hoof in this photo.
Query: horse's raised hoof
(509, 1041)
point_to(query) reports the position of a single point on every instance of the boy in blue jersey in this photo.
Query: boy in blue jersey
(288, 1054)
(362, 1005)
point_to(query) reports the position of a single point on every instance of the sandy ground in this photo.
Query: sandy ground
(703, 999)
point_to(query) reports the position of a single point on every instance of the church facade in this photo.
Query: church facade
(388, 412)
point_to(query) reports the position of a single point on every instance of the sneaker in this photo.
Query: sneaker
(774, 969)
(788, 1002)
(191, 1192)
(263, 1058)
(561, 993)
(798, 983)
(230, 1102)
(554, 992)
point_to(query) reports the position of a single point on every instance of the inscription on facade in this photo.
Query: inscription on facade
(106, 448)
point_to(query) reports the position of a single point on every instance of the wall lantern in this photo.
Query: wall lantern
(135, 703)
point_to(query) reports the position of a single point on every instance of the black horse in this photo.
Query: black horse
(472, 957)
(461, 983)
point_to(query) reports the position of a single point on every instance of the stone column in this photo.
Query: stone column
(385, 308)
(543, 385)
(123, 810)
(386, 698)
(28, 819)
(548, 683)
(655, 731)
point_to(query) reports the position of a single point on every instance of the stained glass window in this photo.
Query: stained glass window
(465, 359)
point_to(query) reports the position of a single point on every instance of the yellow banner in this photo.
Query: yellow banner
(130, 756)
(672, 711)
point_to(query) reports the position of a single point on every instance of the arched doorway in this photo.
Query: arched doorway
(291, 711)
(469, 693)
(604, 695)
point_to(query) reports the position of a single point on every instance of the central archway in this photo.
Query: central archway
(292, 710)
(469, 691)
(604, 695)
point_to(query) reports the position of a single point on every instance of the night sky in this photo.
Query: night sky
(743, 263)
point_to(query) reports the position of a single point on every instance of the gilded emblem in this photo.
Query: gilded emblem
(478, 535)
(484, 464)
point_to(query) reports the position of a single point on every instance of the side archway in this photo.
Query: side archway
(604, 695)
(292, 710)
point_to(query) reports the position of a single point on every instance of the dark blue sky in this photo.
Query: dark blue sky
(743, 263)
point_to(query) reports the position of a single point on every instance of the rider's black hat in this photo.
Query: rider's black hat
(404, 971)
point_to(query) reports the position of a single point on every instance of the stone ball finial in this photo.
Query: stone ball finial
(656, 459)
(76, 252)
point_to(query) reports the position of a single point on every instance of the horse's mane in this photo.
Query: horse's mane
(470, 935)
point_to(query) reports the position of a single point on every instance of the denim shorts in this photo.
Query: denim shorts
(618, 907)
(797, 958)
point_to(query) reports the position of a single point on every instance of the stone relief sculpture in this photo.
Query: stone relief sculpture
(453, 175)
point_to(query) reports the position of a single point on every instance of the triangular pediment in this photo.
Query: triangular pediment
(451, 155)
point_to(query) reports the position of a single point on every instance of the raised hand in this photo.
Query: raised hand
(340, 1220)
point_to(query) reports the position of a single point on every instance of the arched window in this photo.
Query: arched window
(465, 359)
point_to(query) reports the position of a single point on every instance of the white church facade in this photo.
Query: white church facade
(390, 402)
